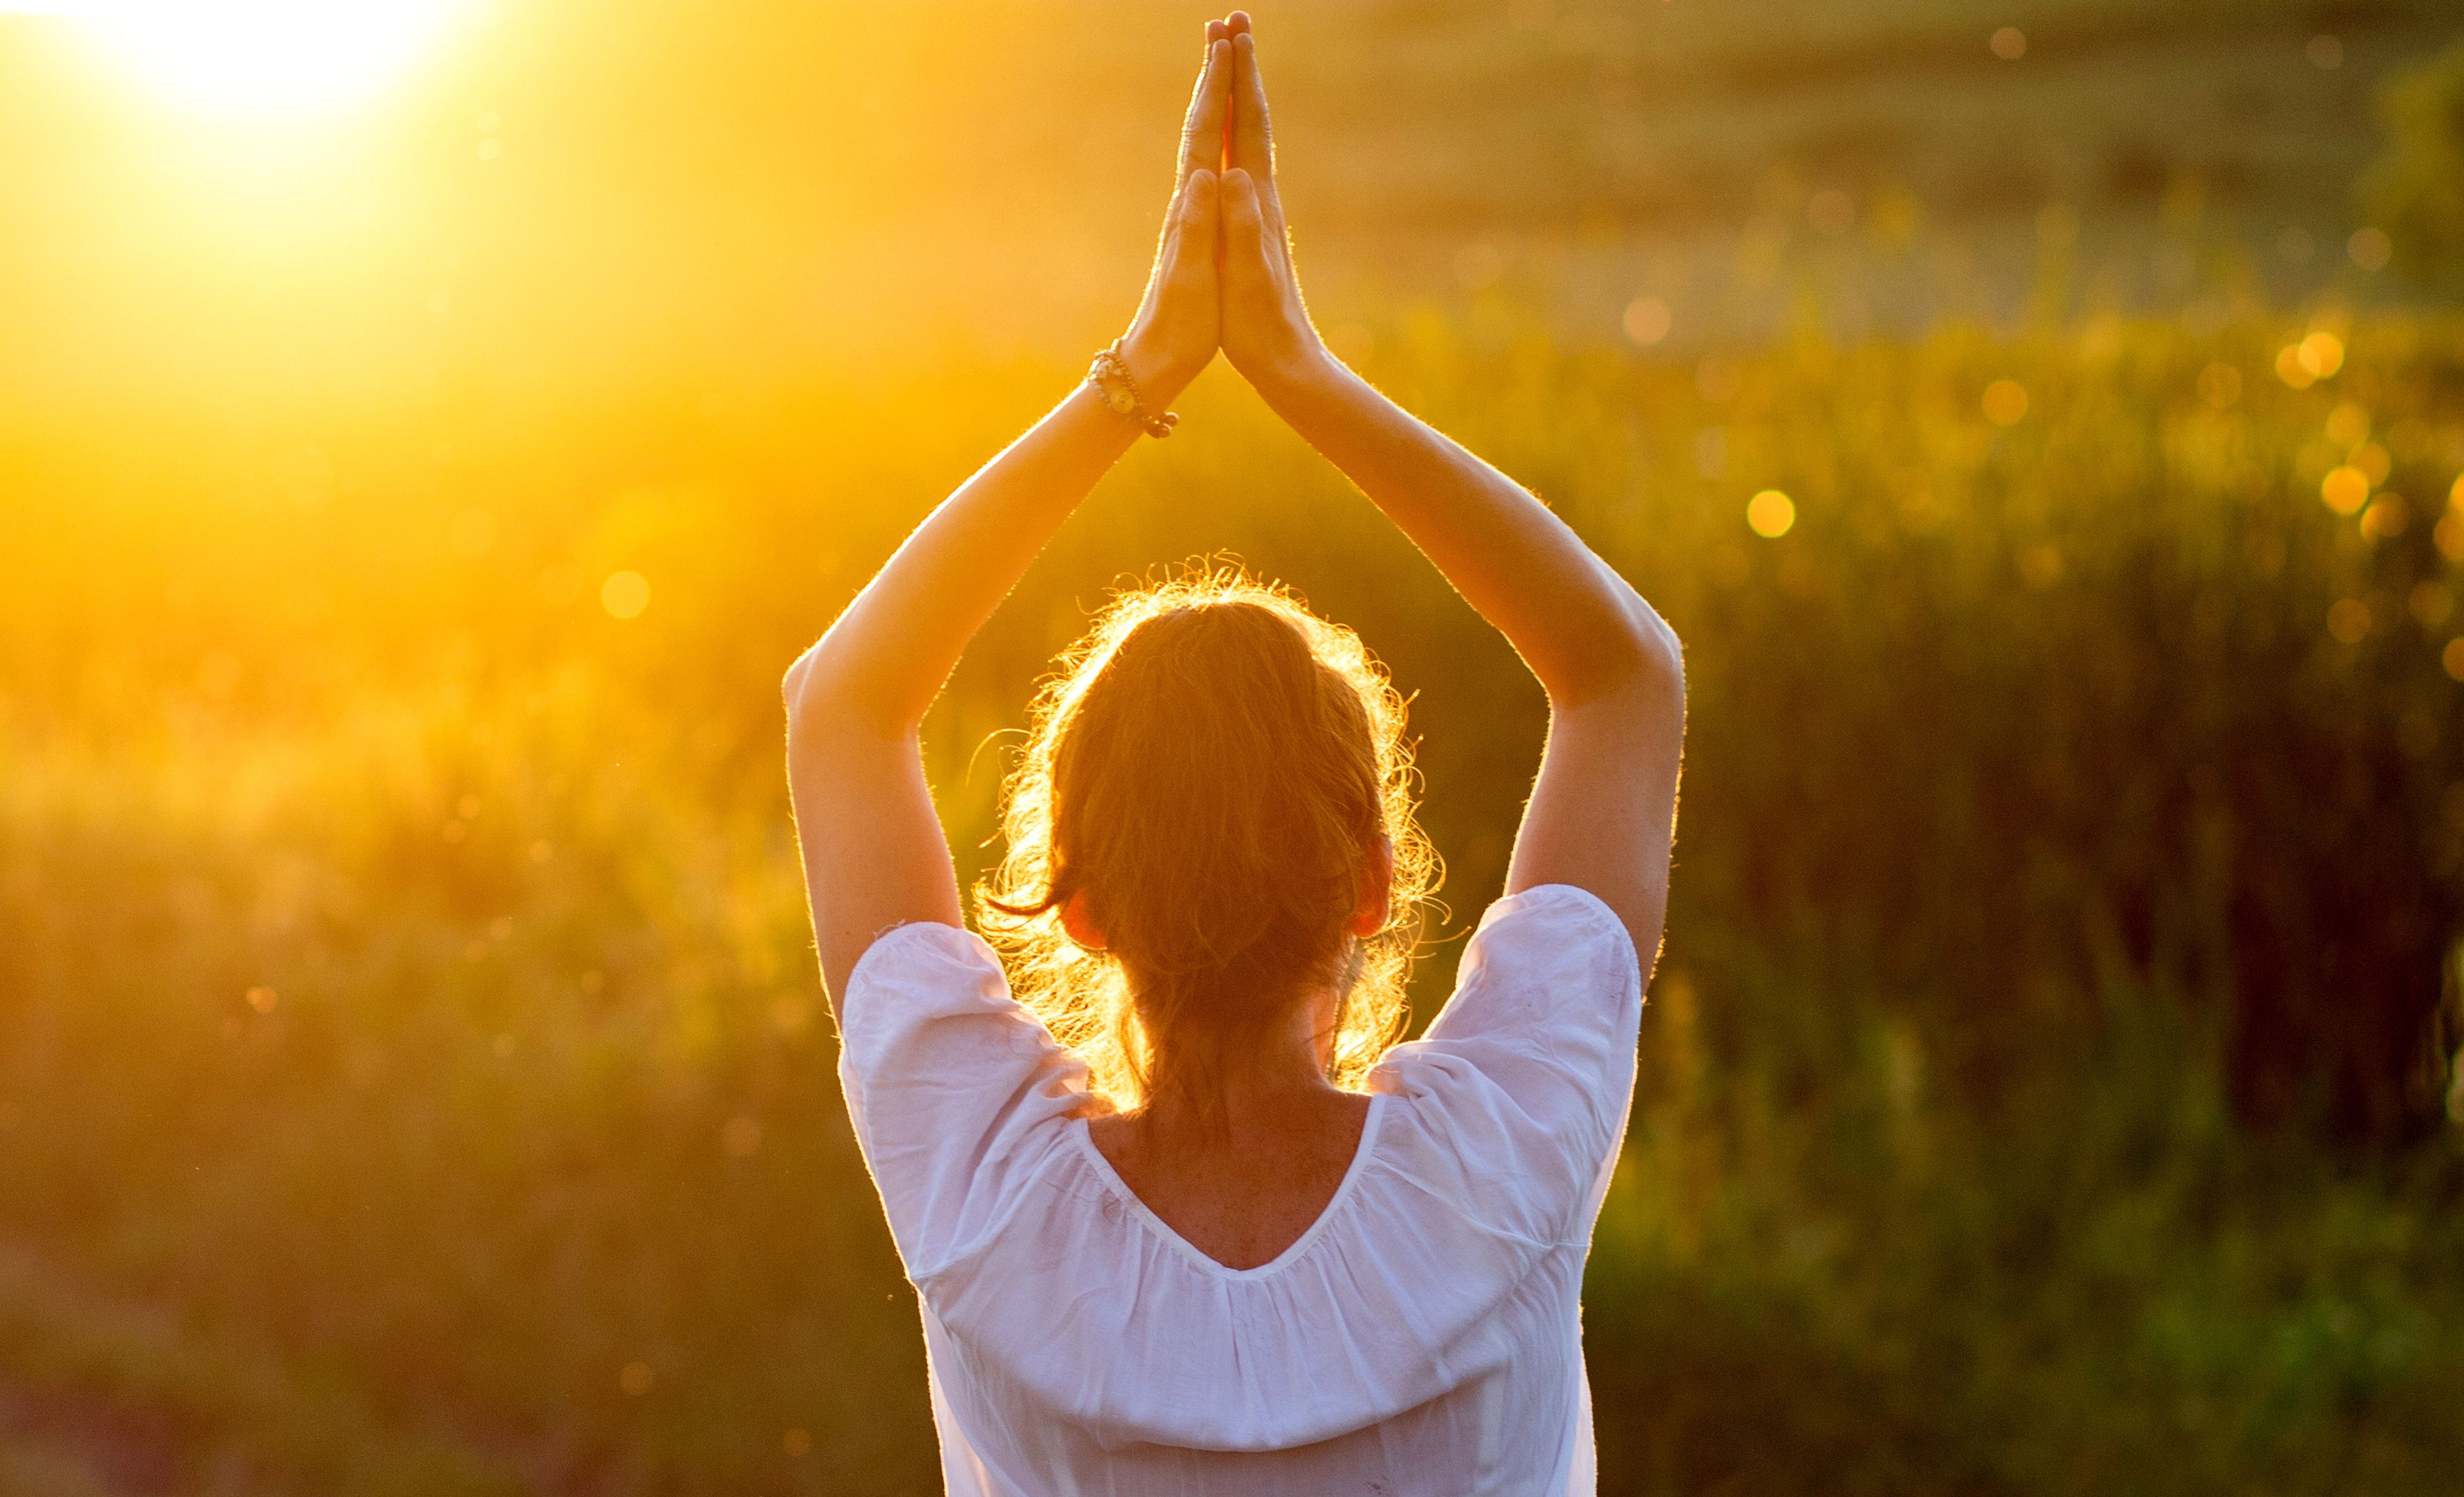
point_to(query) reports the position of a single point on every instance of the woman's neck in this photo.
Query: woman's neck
(1242, 1185)
(1280, 1081)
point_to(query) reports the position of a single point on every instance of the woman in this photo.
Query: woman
(1225, 1241)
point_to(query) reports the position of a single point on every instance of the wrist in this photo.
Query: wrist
(1161, 373)
(1307, 374)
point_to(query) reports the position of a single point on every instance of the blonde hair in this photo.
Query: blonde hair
(1209, 771)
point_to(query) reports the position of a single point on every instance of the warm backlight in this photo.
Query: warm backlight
(266, 58)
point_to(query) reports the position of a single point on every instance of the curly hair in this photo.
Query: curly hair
(1212, 772)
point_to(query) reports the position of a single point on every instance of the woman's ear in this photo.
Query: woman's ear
(1376, 891)
(1079, 924)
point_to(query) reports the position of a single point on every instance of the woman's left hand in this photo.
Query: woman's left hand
(1175, 333)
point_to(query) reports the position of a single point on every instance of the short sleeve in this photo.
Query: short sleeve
(951, 1086)
(1531, 1063)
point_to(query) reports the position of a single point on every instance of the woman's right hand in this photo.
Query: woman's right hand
(1266, 331)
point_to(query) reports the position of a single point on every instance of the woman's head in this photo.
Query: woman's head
(1210, 828)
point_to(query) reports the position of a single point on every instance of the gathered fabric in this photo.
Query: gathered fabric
(1421, 1337)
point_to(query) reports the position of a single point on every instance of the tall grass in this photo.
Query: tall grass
(412, 1072)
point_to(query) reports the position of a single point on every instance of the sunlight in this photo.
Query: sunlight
(261, 58)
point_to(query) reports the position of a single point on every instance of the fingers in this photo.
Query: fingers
(1253, 137)
(1199, 197)
(1191, 245)
(1248, 264)
(1240, 197)
(1201, 131)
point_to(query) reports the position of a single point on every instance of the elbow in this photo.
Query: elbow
(810, 696)
(1652, 658)
(1662, 652)
(826, 700)
(797, 690)
(792, 686)
(1632, 654)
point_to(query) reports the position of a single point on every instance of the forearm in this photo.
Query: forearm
(1582, 630)
(874, 855)
(880, 665)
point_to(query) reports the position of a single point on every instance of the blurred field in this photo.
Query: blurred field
(567, 195)
(410, 1024)
(413, 1077)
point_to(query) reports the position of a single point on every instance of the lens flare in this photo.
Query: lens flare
(265, 58)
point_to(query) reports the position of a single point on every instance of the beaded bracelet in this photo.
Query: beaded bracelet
(1118, 390)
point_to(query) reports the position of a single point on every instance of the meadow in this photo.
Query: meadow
(413, 1076)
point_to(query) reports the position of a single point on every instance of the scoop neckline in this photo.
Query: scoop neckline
(1299, 1246)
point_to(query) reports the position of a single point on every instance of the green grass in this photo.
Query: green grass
(2036, 1094)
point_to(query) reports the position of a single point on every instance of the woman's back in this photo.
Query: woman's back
(1420, 1334)
(1241, 1198)
(1209, 901)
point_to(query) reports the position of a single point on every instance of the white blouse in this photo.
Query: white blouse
(1421, 1337)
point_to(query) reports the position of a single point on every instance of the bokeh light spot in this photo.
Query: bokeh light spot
(1770, 513)
(624, 595)
(2432, 602)
(1711, 453)
(2389, 517)
(2006, 402)
(2322, 354)
(2010, 44)
(1647, 320)
(2345, 490)
(2349, 621)
(635, 1379)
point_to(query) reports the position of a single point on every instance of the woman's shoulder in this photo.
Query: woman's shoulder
(954, 1091)
(1550, 924)
(940, 965)
(929, 1002)
(1543, 967)
(1526, 1076)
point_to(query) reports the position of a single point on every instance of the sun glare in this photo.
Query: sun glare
(262, 59)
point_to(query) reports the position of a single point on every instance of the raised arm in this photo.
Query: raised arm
(1603, 810)
(874, 854)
